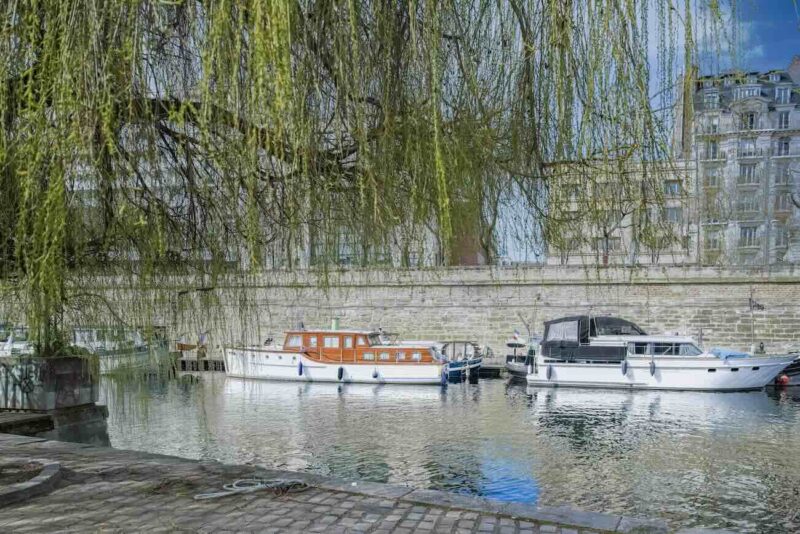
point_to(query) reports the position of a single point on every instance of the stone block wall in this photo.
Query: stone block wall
(488, 304)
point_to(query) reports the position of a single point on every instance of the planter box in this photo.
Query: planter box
(44, 384)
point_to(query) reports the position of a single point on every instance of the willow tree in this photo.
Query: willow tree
(196, 137)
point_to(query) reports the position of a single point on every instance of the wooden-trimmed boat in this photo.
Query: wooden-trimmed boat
(334, 355)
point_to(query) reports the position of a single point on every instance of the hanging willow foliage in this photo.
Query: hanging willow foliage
(198, 136)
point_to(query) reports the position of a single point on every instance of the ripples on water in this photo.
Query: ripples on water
(694, 459)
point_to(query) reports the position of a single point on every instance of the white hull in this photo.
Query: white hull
(706, 373)
(266, 364)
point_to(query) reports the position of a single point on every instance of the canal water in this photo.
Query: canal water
(727, 460)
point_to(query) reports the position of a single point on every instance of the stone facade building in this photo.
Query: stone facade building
(745, 142)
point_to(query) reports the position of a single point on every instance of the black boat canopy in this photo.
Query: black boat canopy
(568, 338)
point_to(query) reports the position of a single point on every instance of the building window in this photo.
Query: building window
(727, 82)
(708, 83)
(783, 120)
(781, 236)
(782, 174)
(348, 342)
(749, 121)
(783, 147)
(747, 236)
(331, 342)
(782, 95)
(774, 77)
(746, 203)
(712, 178)
(712, 150)
(713, 241)
(673, 215)
(747, 174)
(752, 79)
(746, 92)
(672, 188)
(747, 147)
(711, 100)
(783, 202)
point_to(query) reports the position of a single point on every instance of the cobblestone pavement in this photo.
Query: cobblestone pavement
(110, 490)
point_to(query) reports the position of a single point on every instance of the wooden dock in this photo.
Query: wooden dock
(492, 370)
(25, 423)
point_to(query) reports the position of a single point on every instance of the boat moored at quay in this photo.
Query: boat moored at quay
(334, 355)
(608, 352)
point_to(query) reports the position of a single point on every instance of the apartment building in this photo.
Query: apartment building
(745, 144)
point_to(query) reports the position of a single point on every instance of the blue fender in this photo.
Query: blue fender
(652, 368)
(624, 367)
(300, 368)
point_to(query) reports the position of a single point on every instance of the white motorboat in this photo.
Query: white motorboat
(609, 352)
(14, 341)
(519, 362)
(117, 349)
(334, 355)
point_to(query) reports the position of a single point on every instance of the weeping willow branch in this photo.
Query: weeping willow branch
(143, 139)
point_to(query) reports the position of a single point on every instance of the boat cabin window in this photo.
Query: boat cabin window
(294, 341)
(417, 356)
(313, 341)
(401, 356)
(331, 342)
(384, 356)
(348, 342)
(368, 356)
(637, 348)
(567, 331)
(665, 349)
(361, 342)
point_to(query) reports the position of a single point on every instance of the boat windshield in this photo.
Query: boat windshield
(664, 349)
(375, 339)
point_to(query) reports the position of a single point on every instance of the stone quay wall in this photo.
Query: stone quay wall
(488, 304)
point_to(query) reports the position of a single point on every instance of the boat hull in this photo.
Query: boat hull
(517, 369)
(265, 364)
(701, 374)
(460, 369)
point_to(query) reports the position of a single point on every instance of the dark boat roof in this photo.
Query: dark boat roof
(601, 323)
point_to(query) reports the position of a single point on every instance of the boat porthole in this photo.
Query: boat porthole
(734, 369)
(712, 370)
(549, 371)
(652, 368)
(756, 368)
(624, 367)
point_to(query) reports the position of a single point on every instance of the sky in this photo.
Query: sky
(769, 33)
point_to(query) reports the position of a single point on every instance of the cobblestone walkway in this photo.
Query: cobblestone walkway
(109, 490)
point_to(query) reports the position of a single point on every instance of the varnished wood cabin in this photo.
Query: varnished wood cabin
(354, 346)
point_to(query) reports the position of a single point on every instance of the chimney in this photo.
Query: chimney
(794, 69)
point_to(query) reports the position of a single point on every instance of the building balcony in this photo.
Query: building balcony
(791, 152)
(743, 153)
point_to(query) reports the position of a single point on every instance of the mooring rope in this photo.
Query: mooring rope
(249, 485)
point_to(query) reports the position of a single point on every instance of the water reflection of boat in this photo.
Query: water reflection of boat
(609, 352)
